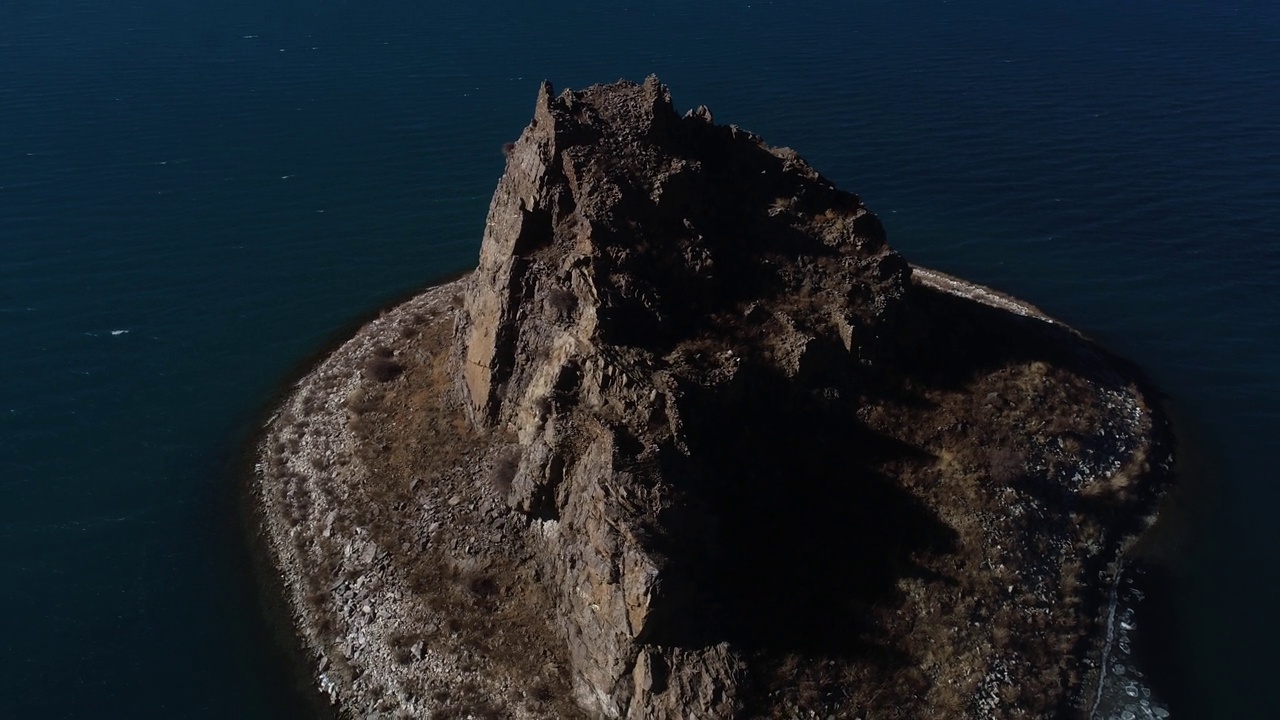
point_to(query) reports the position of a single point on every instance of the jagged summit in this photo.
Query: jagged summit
(660, 230)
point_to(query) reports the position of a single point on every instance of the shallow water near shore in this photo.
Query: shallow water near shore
(194, 199)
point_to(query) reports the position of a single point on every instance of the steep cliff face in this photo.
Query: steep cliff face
(645, 280)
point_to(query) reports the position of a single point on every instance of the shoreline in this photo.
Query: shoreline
(272, 587)
(273, 531)
(1138, 564)
(327, 661)
(944, 282)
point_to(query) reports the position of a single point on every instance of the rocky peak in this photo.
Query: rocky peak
(620, 224)
(640, 270)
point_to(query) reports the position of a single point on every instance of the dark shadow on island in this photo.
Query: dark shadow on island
(789, 535)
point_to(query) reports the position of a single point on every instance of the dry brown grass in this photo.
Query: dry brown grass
(504, 470)
(413, 437)
(382, 369)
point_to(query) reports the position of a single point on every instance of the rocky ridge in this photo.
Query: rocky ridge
(694, 441)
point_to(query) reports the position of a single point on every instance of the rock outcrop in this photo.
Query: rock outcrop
(643, 277)
(723, 455)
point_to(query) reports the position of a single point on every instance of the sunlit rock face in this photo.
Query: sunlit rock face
(641, 270)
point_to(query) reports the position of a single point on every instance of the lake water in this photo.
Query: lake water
(194, 197)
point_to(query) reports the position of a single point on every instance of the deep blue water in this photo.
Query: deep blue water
(196, 196)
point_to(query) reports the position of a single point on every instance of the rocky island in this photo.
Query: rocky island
(693, 441)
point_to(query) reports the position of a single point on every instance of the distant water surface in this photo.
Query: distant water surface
(196, 196)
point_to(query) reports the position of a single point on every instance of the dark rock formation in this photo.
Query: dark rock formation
(701, 445)
(660, 304)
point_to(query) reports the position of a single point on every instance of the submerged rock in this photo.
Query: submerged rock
(694, 441)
